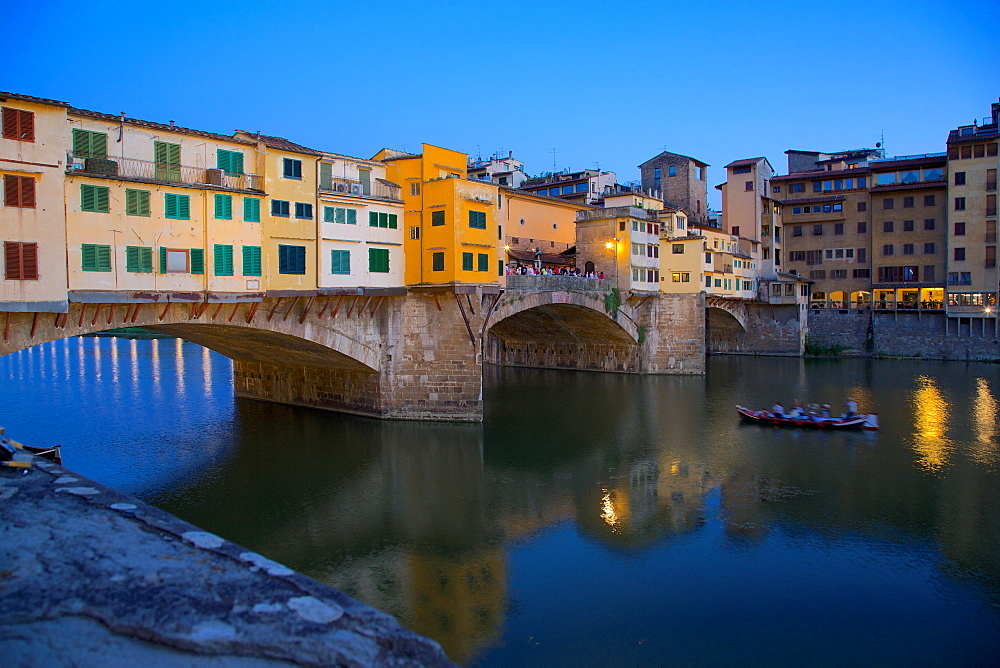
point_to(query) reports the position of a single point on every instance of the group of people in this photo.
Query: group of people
(531, 270)
(812, 411)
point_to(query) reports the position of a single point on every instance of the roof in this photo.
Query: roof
(745, 163)
(676, 155)
(811, 200)
(165, 127)
(550, 198)
(820, 174)
(36, 100)
(282, 144)
(981, 133)
(920, 185)
(929, 159)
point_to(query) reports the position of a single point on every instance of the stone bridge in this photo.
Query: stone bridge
(398, 353)
(750, 327)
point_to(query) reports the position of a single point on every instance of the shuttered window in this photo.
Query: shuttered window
(437, 261)
(251, 209)
(90, 144)
(378, 260)
(373, 219)
(168, 160)
(197, 261)
(292, 168)
(19, 191)
(484, 262)
(224, 207)
(231, 162)
(177, 206)
(291, 259)
(251, 261)
(94, 198)
(18, 124)
(96, 257)
(279, 207)
(20, 261)
(340, 262)
(136, 202)
(477, 219)
(466, 261)
(437, 218)
(139, 259)
(223, 260)
(303, 211)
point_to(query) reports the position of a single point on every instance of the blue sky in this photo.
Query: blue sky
(608, 84)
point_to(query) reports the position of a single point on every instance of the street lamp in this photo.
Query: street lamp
(614, 245)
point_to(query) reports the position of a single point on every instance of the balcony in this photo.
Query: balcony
(147, 170)
(379, 189)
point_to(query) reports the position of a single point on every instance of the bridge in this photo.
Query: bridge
(417, 352)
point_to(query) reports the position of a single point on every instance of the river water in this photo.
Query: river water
(592, 519)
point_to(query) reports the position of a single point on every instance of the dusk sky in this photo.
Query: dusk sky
(604, 84)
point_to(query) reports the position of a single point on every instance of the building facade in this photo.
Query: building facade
(682, 180)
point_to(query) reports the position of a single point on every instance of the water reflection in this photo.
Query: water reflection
(524, 539)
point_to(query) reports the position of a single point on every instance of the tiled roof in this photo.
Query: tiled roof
(283, 144)
(111, 118)
(921, 185)
(528, 193)
(744, 163)
(821, 175)
(678, 155)
(937, 159)
(30, 98)
(982, 133)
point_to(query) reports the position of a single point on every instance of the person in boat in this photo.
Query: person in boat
(797, 411)
(777, 410)
(826, 411)
(851, 407)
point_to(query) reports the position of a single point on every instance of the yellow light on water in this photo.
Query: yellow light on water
(984, 414)
(608, 513)
(930, 421)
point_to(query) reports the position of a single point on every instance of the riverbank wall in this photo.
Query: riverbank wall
(930, 335)
(89, 576)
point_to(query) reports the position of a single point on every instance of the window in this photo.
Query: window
(477, 219)
(680, 277)
(796, 230)
(176, 261)
(991, 256)
(817, 186)
(251, 209)
(959, 204)
(176, 206)
(735, 231)
(907, 249)
(839, 273)
(929, 223)
(139, 259)
(838, 228)
(483, 261)
(223, 260)
(959, 255)
(907, 202)
(437, 218)
(340, 262)
(18, 124)
(929, 273)
(96, 257)
(928, 200)
(567, 190)
(959, 229)
(303, 211)
(168, 161)
(415, 188)
(797, 188)
(862, 255)
(862, 273)
(437, 261)
(381, 219)
(581, 187)
(862, 206)
(279, 207)
(94, 198)
(888, 249)
(136, 202)
(89, 144)
(291, 168)
(678, 249)
(796, 256)
(672, 170)
(887, 226)
(775, 189)
(291, 259)
(818, 274)
(466, 261)
(862, 227)
(251, 261)
(231, 162)
(20, 260)
(818, 230)
(378, 260)
(930, 248)
(224, 208)
(907, 225)
(19, 191)
(656, 172)
(414, 232)
(748, 186)
(888, 203)
(991, 205)
(340, 215)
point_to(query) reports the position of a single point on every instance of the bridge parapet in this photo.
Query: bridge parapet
(560, 283)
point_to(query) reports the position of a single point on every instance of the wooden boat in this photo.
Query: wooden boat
(19, 456)
(860, 421)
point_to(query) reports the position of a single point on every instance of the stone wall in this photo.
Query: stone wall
(755, 329)
(907, 334)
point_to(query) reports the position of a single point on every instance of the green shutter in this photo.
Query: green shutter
(197, 261)
(168, 159)
(89, 144)
(163, 259)
(437, 261)
(146, 260)
(170, 205)
(340, 262)
(139, 259)
(224, 207)
(437, 218)
(383, 220)
(251, 260)
(231, 162)
(466, 261)
(136, 202)
(251, 209)
(223, 260)
(89, 255)
(184, 207)
(103, 199)
(378, 260)
(373, 219)
(392, 221)
(328, 214)
(352, 217)
(326, 176)
(94, 198)
(484, 262)
(132, 259)
(176, 206)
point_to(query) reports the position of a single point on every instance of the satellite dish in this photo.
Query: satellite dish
(878, 144)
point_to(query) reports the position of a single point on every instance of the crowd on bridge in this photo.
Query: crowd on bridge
(531, 270)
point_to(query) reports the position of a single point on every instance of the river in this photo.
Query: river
(592, 519)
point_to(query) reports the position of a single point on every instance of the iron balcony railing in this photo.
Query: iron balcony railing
(148, 170)
(375, 188)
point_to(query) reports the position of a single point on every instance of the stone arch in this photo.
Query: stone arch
(577, 316)
(724, 330)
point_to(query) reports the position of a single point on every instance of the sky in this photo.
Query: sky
(605, 85)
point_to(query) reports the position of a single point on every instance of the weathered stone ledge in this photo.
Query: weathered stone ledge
(89, 576)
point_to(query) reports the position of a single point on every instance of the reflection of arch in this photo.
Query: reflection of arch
(562, 316)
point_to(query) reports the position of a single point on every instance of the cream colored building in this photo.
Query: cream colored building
(622, 242)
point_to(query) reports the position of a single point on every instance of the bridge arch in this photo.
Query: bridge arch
(725, 328)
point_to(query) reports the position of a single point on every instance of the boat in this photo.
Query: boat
(860, 421)
(19, 456)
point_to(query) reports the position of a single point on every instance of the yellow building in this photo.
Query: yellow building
(157, 207)
(32, 218)
(623, 243)
(452, 232)
(531, 222)
(288, 218)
